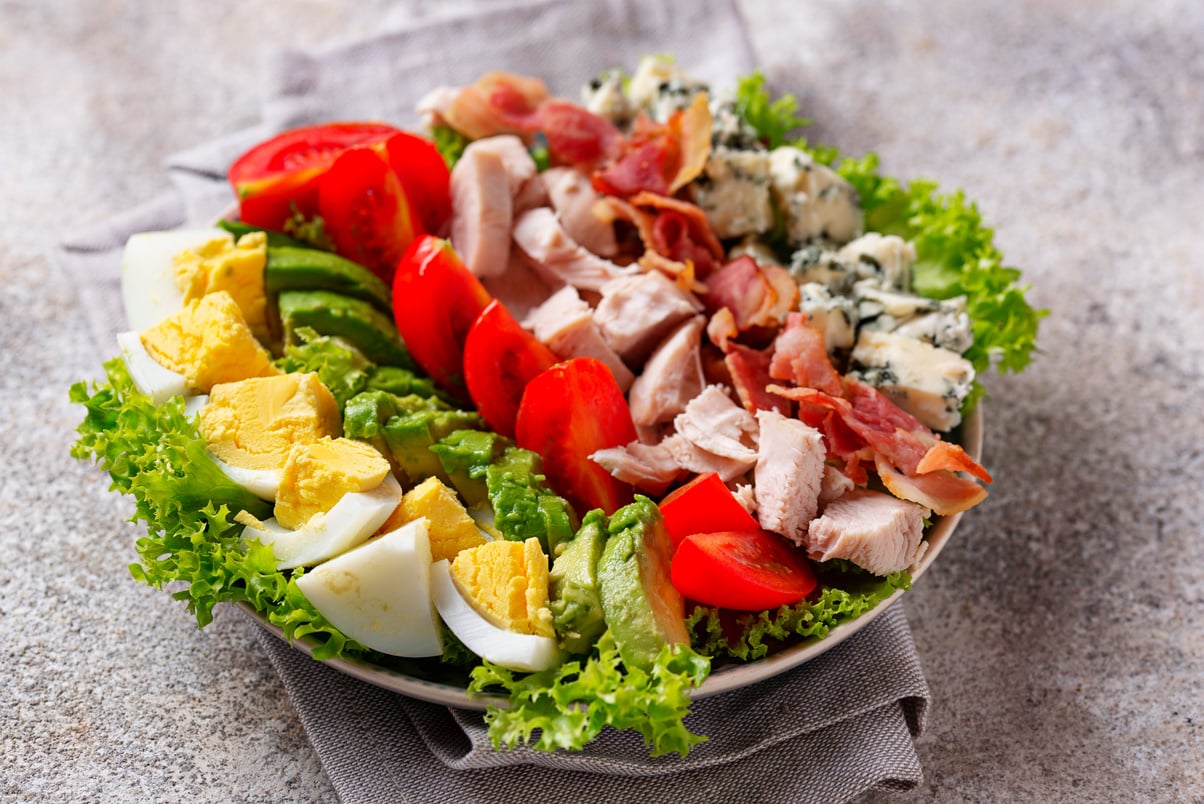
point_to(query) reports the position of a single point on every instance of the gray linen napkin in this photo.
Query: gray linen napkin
(839, 726)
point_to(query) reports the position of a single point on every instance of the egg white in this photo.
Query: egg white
(148, 275)
(379, 593)
(152, 379)
(354, 518)
(526, 652)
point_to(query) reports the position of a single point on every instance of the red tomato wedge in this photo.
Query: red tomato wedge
(703, 505)
(500, 358)
(436, 300)
(741, 570)
(424, 176)
(567, 413)
(284, 172)
(366, 211)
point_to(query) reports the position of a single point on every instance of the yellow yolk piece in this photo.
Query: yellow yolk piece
(254, 423)
(449, 526)
(507, 583)
(208, 342)
(317, 475)
(219, 264)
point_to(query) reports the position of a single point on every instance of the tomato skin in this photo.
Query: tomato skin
(366, 211)
(567, 413)
(500, 359)
(285, 171)
(424, 176)
(436, 300)
(704, 505)
(741, 570)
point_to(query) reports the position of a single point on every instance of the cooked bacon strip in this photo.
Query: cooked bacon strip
(758, 295)
(801, 356)
(750, 375)
(682, 273)
(944, 455)
(693, 129)
(575, 135)
(692, 237)
(944, 492)
(722, 328)
(888, 430)
(496, 103)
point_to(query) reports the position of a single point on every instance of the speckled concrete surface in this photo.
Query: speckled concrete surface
(1061, 630)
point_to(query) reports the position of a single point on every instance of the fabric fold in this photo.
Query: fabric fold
(835, 727)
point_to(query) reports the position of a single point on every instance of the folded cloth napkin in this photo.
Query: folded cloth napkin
(830, 730)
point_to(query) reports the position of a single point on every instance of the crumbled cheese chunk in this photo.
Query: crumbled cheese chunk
(928, 382)
(834, 315)
(733, 191)
(813, 200)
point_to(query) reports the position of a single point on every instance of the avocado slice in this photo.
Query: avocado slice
(354, 320)
(275, 239)
(645, 613)
(575, 604)
(293, 268)
(523, 505)
(411, 435)
(466, 455)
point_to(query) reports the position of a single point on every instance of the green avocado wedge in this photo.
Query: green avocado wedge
(645, 613)
(291, 268)
(575, 604)
(355, 320)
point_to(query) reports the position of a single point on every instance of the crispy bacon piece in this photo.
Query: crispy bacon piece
(575, 135)
(801, 356)
(758, 295)
(660, 158)
(496, 103)
(942, 491)
(750, 375)
(885, 428)
(946, 456)
(674, 229)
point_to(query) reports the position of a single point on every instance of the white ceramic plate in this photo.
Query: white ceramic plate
(726, 678)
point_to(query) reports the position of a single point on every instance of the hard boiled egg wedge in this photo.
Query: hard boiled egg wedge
(527, 652)
(148, 275)
(380, 593)
(354, 518)
(152, 379)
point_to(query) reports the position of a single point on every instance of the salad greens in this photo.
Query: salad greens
(572, 703)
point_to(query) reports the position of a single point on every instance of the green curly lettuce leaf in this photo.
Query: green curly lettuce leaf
(157, 456)
(449, 143)
(570, 704)
(774, 120)
(750, 636)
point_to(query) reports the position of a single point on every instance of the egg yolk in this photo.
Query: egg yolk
(449, 526)
(507, 583)
(254, 423)
(316, 475)
(219, 264)
(208, 342)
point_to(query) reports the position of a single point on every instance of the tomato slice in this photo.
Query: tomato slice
(500, 358)
(425, 177)
(284, 171)
(741, 570)
(436, 300)
(704, 505)
(567, 413)
(366, 212)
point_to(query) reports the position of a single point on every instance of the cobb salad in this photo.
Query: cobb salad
(570, 401)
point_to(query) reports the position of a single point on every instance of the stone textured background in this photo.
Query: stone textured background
(1062, 630)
